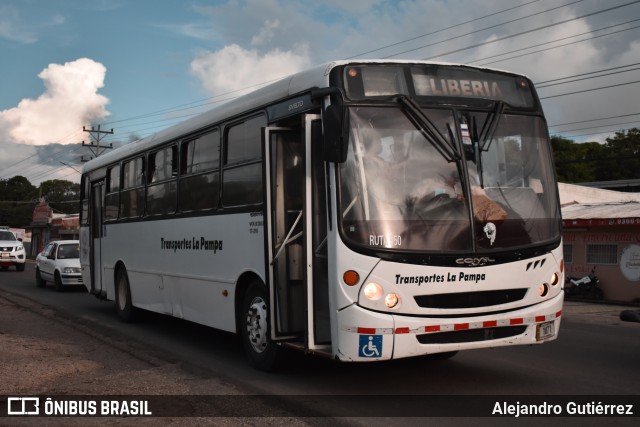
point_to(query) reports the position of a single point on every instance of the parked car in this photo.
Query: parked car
(59, 263)
(11, 250)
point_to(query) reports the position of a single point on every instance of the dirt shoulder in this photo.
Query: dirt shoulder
(42, 354)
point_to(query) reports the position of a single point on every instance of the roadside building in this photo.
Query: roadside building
(602, 230)
(47, 226)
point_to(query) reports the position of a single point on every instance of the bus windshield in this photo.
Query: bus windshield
(400, 190)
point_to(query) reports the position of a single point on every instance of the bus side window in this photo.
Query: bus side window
(112, 197)
(200, 172)
(162, 192)
(132, 196)
(84, 213)
(242, 175)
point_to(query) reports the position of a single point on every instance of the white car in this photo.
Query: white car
(59, 263)
(11, 250)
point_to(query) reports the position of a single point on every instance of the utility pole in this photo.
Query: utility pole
(95, 146)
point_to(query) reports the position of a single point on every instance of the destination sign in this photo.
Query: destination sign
(437, 80)
(472, 83)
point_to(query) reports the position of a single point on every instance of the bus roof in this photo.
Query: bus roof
(290, 85)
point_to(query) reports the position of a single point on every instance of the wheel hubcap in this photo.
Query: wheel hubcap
(257, 324)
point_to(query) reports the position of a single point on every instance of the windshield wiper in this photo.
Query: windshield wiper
(426, 127)
(490, 126)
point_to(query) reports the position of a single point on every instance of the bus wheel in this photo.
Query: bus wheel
(124, 307)
(263, 353)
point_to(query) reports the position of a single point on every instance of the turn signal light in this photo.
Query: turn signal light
(351, 277)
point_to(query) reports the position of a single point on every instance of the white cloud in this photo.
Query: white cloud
(18, 29)
(266, 33)
(71, 100)
(235, 70)
(11, 29)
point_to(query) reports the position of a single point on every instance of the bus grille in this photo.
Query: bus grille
(471, 299)
(471, 335)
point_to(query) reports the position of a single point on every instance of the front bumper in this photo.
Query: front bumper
(368, 336)
(71, 279)
(12, 258)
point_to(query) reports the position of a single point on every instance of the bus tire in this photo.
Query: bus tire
(124, 306)
(263, 354)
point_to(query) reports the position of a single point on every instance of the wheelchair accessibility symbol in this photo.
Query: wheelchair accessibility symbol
(370, 346)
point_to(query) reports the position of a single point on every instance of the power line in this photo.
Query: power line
(589, 78)
(589, 134)
(529, 31)
(596, 127)
(483, 29)
(59, 141)
(203, 103)
(555, 41)
(441, 30)
(592, 72)
(593, 120)
(559, 46)
(589, 90)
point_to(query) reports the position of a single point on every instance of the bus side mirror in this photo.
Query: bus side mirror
(336, 134)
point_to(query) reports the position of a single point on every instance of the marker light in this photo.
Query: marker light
(391, 300)
(561, 265)
(555, 279)
(373, 291)
(543, 290)
(351, 277)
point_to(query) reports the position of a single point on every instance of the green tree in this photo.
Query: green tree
(622, 157)
(63, 196)
(573, 161)
(17, 200)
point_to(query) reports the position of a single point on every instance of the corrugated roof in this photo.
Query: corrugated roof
(601, 210)
(579, 202)
(572, 194)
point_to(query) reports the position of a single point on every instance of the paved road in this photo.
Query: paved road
(86, 350)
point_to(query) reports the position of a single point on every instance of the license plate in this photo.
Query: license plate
(5, 254)
(544, 331)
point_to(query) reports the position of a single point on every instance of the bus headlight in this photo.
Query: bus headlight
(392, 300)
(373, 291)
(543, 290)
(555, 279)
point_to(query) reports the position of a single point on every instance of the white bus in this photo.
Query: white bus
(364, 210)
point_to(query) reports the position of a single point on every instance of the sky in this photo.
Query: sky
(138, 66)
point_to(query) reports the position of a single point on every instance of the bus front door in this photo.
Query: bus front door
(97, 231)
(290, 231)
(285, 184)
